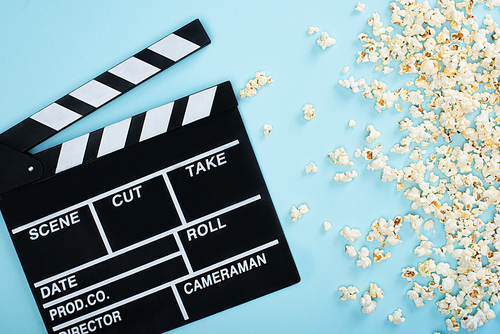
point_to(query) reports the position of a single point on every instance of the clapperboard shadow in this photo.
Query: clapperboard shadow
(147, 224)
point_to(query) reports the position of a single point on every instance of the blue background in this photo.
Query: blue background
(52, 47)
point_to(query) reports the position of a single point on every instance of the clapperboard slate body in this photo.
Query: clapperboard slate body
(147, 224)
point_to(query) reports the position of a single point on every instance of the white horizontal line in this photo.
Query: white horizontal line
(165, 286)
(126, 186)
(113, 279)
(147, 241)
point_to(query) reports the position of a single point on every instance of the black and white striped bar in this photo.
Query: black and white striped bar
(106, 87)
(136, 129)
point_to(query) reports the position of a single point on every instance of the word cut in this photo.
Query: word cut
(127, 196)
(205, 165)
(59, 286)
(54, 225)
(203, 229)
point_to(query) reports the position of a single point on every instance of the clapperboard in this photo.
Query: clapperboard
(147, 224)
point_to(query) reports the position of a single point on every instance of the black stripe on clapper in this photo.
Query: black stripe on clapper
(178, 112)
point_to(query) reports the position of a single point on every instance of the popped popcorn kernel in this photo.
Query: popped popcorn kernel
(297, 213)
(364, 260)
(253, 85)
(409, 273)
(378, 255)
(350, 234)
(345, 69)
(348, 293)
(372, 133)
(308, 112)
(327, 226)
(345, 177)
(352, 123)
(311, 168)
(312, 30)
(325, 40)
(267, 129)
(367, 303)
(360, 7)
(397, 317)
(351, 251)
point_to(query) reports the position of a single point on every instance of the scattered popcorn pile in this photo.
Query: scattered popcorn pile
(308, 111)
(254, 84)
(456, 61)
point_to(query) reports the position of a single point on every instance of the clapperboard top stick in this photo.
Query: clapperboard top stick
(20, 168)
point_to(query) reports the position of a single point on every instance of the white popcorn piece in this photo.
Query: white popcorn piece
(348, 293)
(352, 123)
(378, 255)
(297, 213)
(409, 273)
(254, 84)
(345, 69)
(311, 168)
(376, 292)
(367, 303)
(363, 260)
(340, 157)
(312, 30)
(345, 177)
(429, 225)
(397, 317)
(351, 251)
(372, 133)
(327, 226)
(360, 7)
(325, 40)
(424, 249)
(267, 129)
(350, 234)
(309, 112)
(387, 70)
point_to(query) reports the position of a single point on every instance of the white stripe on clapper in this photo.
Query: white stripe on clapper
(114, 137)
(95, 93)
(156, 121)
(72, 153)
(55, 116)
(100, 229)
(199, 105)
(134, 70)
(174, 47)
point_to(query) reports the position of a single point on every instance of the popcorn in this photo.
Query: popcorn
(378, 255)
(348, 293)
(351, 251)
(397, 317)
(409, 273)
(363, 260)
(350, 234)
(254, 84)
(376, 292)
(385, 231)
(308, 112)
(345, 177)
(267, 129)
(360, 7)
(340, 157)
(311, 168)
(327, 226)
(325, 40)
(367, 303)
(352, 123)
(298, 213)
(372, 134)
(345, 69)
(312, 30)
(455, 92)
